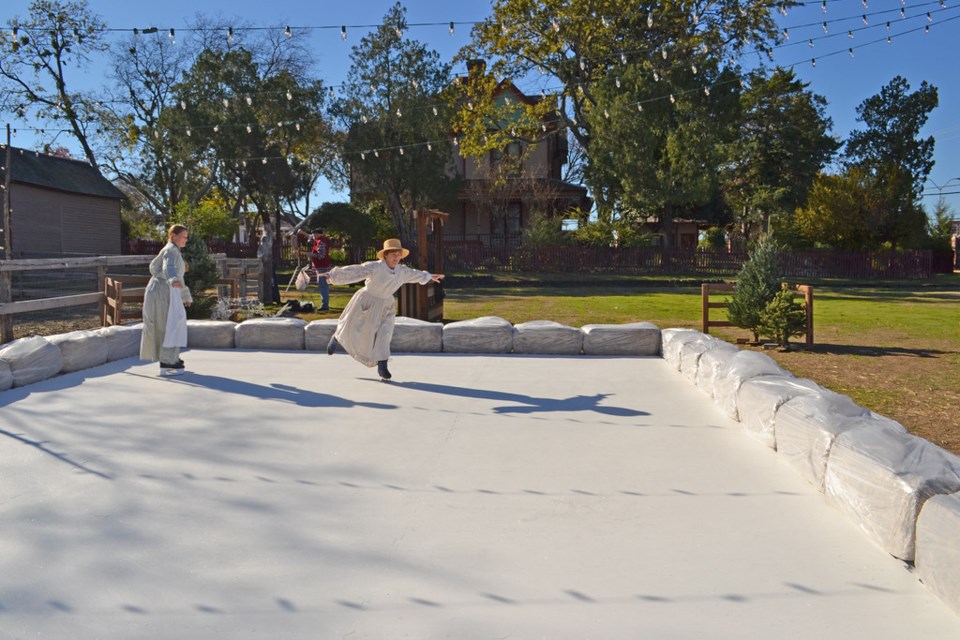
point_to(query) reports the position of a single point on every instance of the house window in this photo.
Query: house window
(505, 228)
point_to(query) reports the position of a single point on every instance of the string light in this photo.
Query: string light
(343, 32)
(183, 105)
(824, 26)
(650, 20)
(363, 156)
(399, 115)
(451, 28)
(249, 100)
(173, 39)
(401, 150)
(229, 34)
(434, 111)
(226, 103)
(429, 147)
(289, 96)
(813, 61)
(376, 154)
(824, 6)
(850, 50)
(287, 32)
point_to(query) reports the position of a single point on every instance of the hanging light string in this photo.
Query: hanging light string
(662, 71)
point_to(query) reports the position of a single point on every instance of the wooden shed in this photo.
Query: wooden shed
(59, 207)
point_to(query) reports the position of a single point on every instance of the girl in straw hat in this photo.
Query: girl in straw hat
(365, 327)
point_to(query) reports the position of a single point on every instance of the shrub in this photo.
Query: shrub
(200, 277)
(783, 318)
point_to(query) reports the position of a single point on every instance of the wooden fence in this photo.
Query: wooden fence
(707, 289)
(98, 265)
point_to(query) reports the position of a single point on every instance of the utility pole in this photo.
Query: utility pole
(6, 277)
(7, 244)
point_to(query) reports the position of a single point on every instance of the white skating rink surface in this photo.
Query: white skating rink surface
(290, 495)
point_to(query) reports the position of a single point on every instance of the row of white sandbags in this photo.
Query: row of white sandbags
(882, 477)
(33, 359)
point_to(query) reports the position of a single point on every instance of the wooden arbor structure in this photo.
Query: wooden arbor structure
(425, 301)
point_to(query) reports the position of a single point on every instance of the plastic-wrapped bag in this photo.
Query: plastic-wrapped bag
(302, 281)
(32, 360)
(488, 334)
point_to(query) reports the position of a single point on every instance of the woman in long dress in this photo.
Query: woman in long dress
(164, 317)
(365, 327)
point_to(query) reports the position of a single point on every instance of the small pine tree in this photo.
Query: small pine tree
(783, 318)
(757, 284)
(201, 276)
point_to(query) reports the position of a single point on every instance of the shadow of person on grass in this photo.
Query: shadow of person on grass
(527, 404)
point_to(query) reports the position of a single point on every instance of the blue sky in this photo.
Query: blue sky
(844, 80)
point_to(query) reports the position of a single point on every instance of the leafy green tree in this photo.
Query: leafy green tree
(345, 222)
(208, 219)
(617, 56)
(782, 144)
(757, 283)
(783, 318)
(836, 211)
(397, 129)
(714, 239)
(892, 154)
(36, 56)
(545, 231)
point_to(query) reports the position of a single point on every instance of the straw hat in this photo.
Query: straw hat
(393, 244)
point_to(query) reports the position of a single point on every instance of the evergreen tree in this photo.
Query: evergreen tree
(201, 276)
(783, 318)
(757, 284)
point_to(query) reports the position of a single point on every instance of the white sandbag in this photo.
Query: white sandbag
(879, 476)
(735, 371)
(416, 336)
(805, 427)
(6, 376)
(211, 334)
(317, 334)
(81, 349)
(123, 341)
(631, 339)
(488, 334)
(938, 548)
(270, 334)
(667, 336)
(691, 352)
(547, 337)
(710, 363)
(672, 339)
(759, 399)
(32, 360)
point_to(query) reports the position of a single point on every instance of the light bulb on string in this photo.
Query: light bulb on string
(824, 26)
(672, 99)
(786, 34)
(363, 156)
(823, 6)
(456, 141)
(249, 129)
(623, 58)
(189, 132)
(850, 50)
(434, 111)
(429, 147)
(864, 4)
(706, 91)
(555, 25)
(226, 103)
(929, 17)
(216, 128)
(606, 114)
(289, 96)
(864, 17)
(399, 114)
(639, 107)
(376, 153)
(650, 20)
(297, 125)
(451, 28)
(399, 31)
(229, 34)
(249, 100)
(926, 29)
(889, 40)
(183, 105)
(656, 77)
(343, 32)
(264, 161)
(287, 32)
(849, 34)
(888, 25)
(331, 93)
(583, 65)
(693, 68)
(401, 150)
(618, 83)
(173, 39)
(364, 118)
(663, 53)
(810, 42)
(903, 14)
(813, 61)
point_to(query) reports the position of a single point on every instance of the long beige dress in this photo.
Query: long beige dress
(168, 267)
(365, 327)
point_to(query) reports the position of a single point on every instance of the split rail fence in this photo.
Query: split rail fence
(706, 290)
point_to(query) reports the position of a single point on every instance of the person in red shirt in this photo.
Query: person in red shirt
(319, 247)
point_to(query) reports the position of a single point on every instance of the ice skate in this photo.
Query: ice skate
(383, 371)
(176, 369)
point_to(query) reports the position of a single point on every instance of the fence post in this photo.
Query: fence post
(6, 295)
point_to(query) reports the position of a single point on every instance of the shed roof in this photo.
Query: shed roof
(52, 172)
